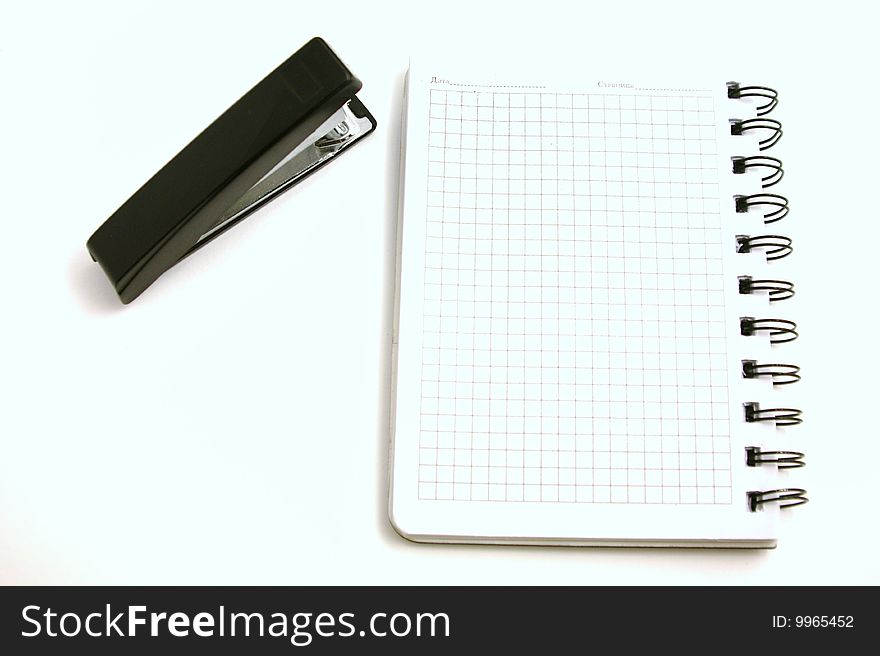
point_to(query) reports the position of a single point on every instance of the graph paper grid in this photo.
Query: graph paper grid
(573, 329)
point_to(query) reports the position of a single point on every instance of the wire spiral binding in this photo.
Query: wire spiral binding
(734, 90)
(779, 416)
(739, 126)
(755, 457)
(778, 246)
(779, 289)
(786, 497)
(743, 164)
(782, 374)
(775, 247)
(780, 330)
(744, 203)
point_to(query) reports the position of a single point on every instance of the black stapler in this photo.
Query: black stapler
(294, 121)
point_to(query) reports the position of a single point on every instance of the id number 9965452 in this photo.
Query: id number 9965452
(813, 622)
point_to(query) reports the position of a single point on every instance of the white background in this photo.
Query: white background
(230, 426)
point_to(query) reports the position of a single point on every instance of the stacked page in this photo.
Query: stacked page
(567, 346)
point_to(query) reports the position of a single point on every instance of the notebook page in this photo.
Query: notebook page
(567, 316)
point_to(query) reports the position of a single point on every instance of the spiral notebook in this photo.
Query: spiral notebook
(590, 342)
